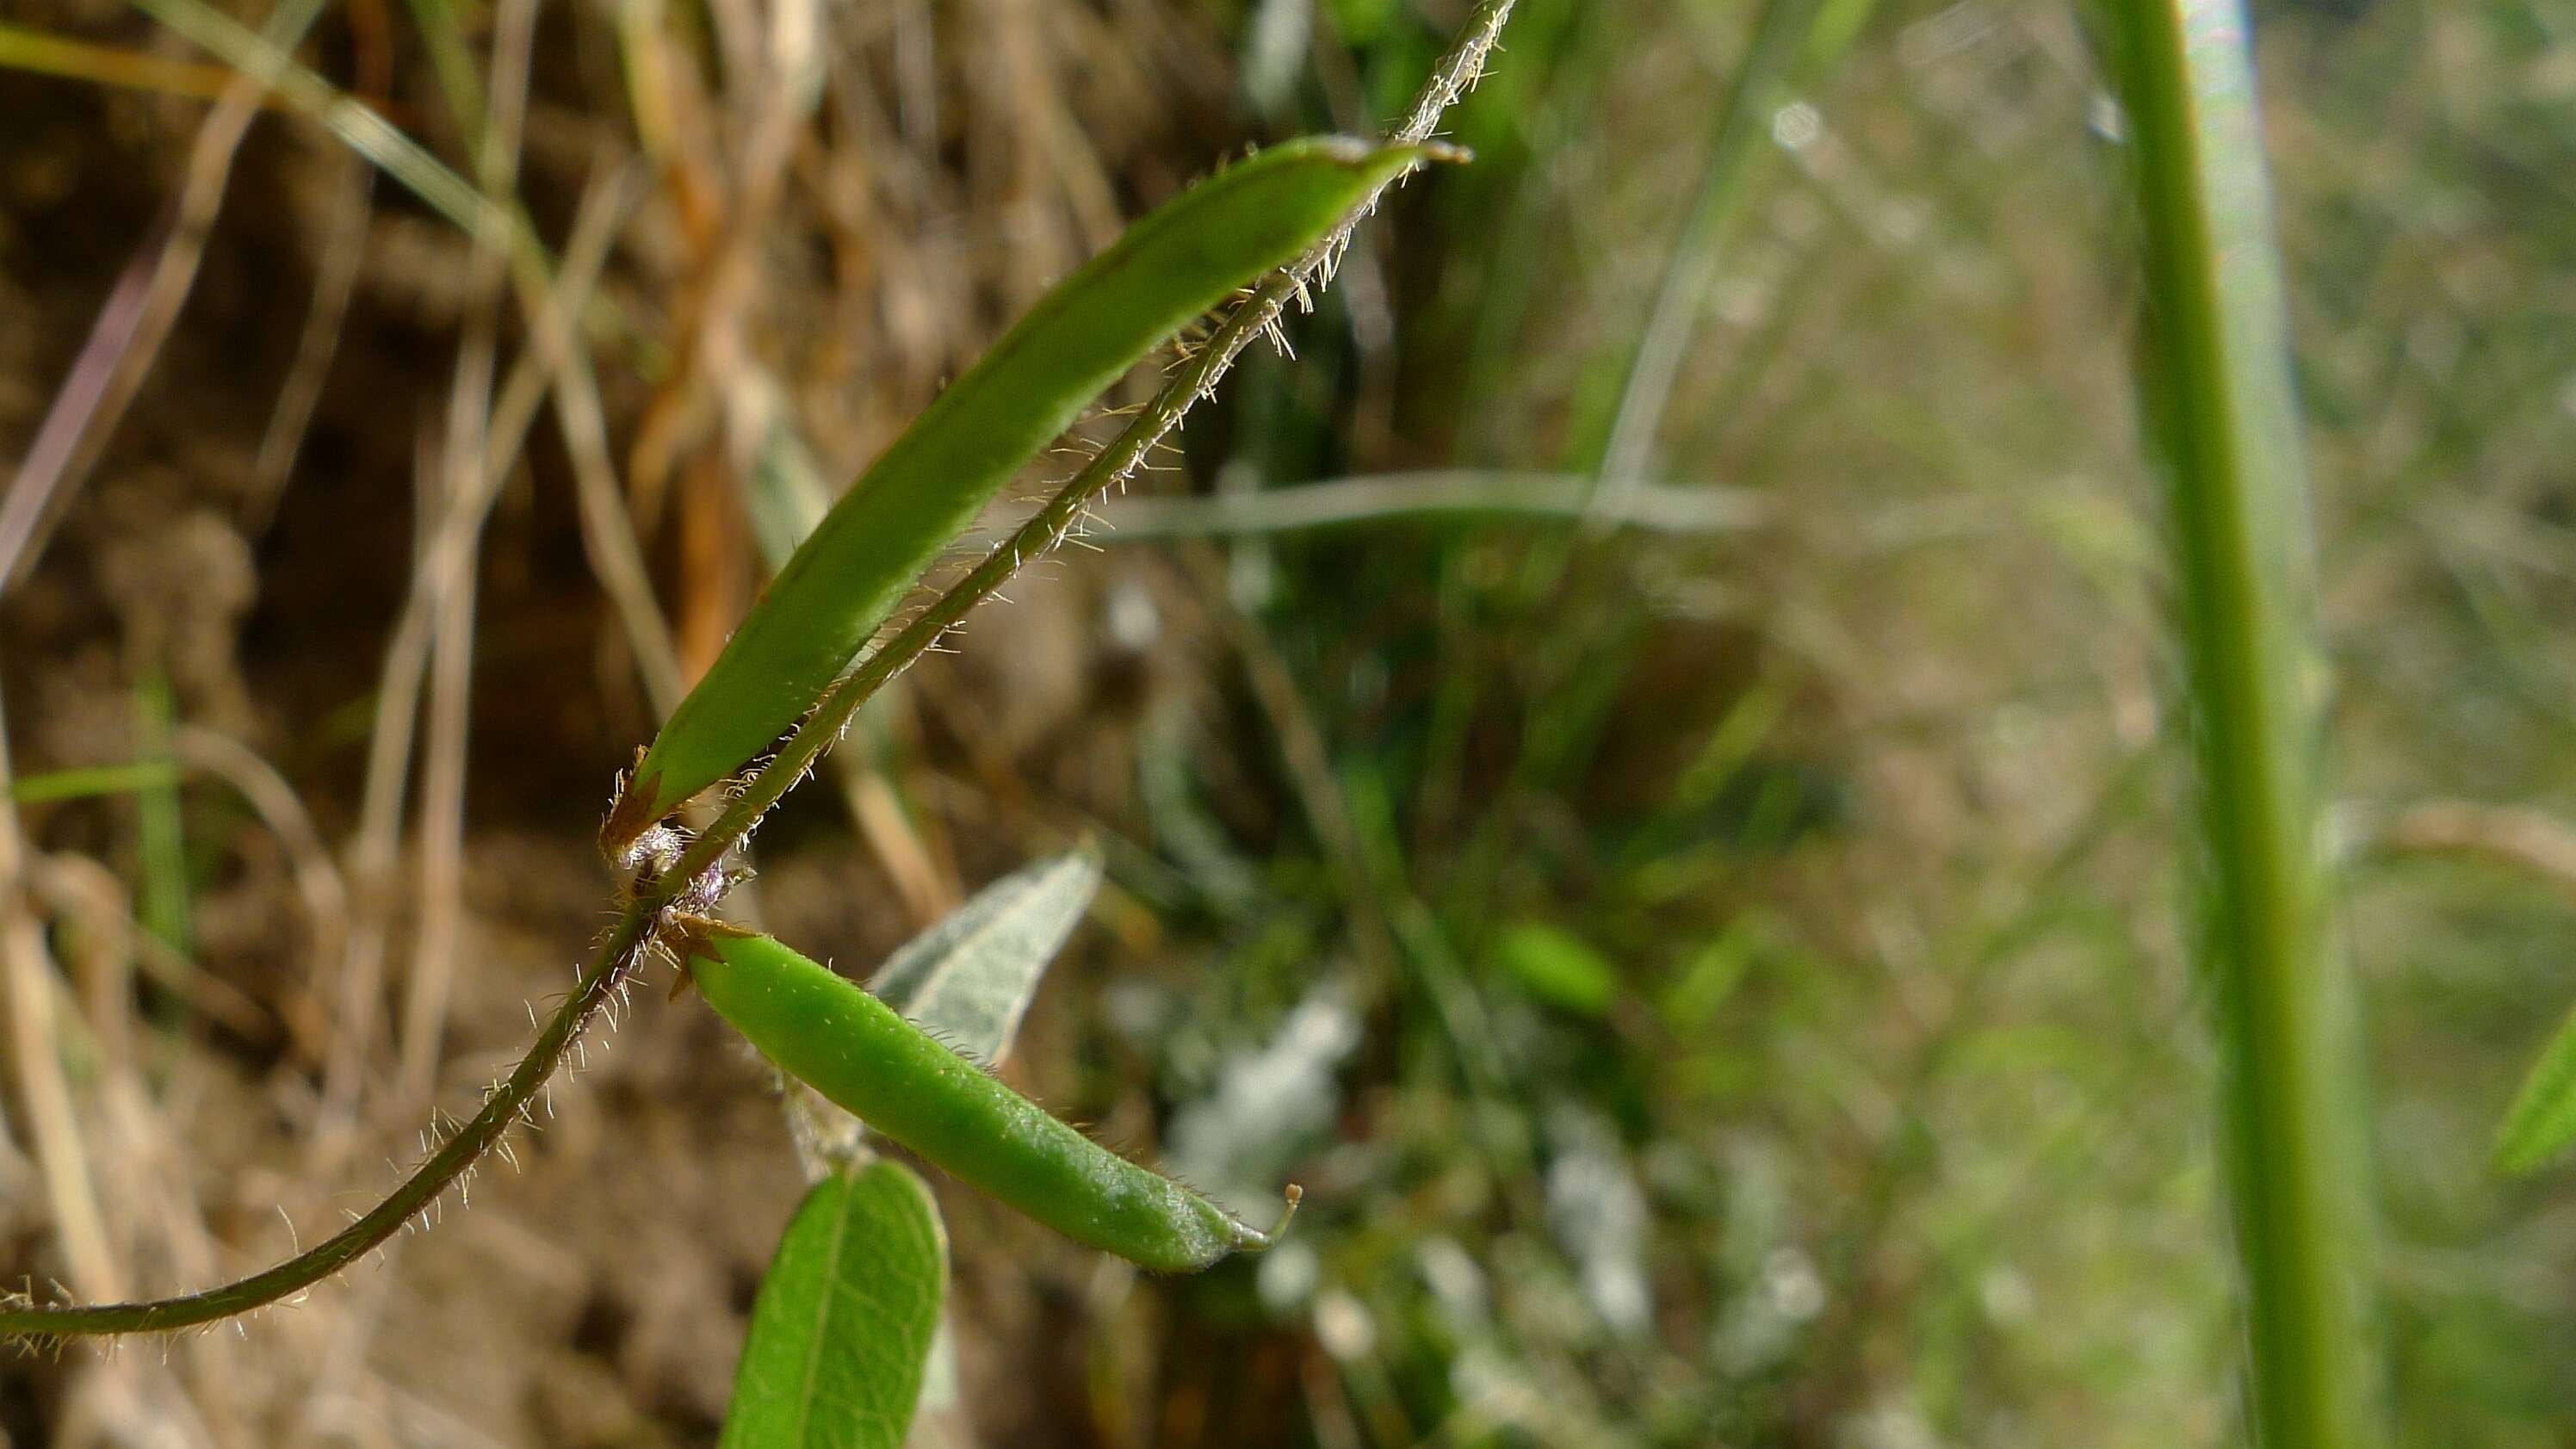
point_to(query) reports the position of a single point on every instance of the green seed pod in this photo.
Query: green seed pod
(927, 488)
(854, 1049)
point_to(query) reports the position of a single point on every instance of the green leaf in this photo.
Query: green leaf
(967, 980)
(1558, 968)
(927, 488)
(2542, 1120)
(843, 1324)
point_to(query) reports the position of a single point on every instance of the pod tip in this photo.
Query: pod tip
(1287, 1214)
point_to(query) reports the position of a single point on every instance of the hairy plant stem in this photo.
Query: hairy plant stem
(611, 964)
(640, 921)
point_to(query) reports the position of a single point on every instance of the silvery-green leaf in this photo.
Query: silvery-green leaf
(969, 978)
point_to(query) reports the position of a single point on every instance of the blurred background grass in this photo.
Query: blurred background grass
(1713, 970)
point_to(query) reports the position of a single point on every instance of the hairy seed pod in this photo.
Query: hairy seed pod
(854, 1049)
(843, 582)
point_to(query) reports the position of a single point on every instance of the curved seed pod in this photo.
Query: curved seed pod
(895, 1077)
(928, 487)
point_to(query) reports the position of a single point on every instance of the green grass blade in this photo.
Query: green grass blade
(2222, 415)
(442, 35)
(842, 1328)
(359, 127)
(1789, 37)
(2542, 1120)
(929, 486)
(1688, 510)
(86, 781)
(43, 53)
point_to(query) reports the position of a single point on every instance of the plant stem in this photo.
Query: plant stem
(610, 966)
(2221, 410)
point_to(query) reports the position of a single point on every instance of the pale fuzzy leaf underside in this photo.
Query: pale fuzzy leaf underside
(969, 978)
(843, 1325)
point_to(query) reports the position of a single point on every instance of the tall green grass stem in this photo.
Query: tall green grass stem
(2221, 414)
